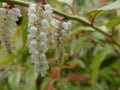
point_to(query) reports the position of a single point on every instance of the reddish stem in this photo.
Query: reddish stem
(43, 2)
(73, 10)
(9, 6)
(59, 18)
(92, 21)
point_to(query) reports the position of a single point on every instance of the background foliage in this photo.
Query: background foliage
(91, 60)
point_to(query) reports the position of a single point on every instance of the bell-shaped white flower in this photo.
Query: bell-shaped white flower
(64, 33)
(36, 67)
(43, 47)
(33, 18)
(11, 13)
(47, 15)
(43, 56)
(32, 10)
(18, 13)
(45, 24)
(35, 56)
(33, 44)
(66, 25)
(48, 8)
(33, 31)
(43, 72)
(43, 36)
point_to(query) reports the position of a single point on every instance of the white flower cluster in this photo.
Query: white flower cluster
(61, 29)
(60, 33)
(66, 28)
(8, 18)
(38, 26)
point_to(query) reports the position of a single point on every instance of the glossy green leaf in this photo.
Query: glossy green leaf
(99, 36)
(45, 83)
(114, 5)
(94, 13)
(80, 29)
(14, 80)
(110, 60)
(97, 61)
(111, 24)
(31, 79)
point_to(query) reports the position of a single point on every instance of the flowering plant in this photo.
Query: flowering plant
(59, 45)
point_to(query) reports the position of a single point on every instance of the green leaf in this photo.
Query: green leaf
(113, 22)
(96, 62)
(109, 61)
(66, 1)
(45, 83)
(80, 29)
(6, 61)
(24, 30)
(77, 61)
(99, 36)
(81, 44)
(69, 86)
(14, 80)
(31, 79)
(114, 5)
(93, 13)
(80, 2)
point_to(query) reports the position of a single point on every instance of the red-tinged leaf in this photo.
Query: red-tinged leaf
(55, 73)
(78, 78)
(52, 60)
(51, 85)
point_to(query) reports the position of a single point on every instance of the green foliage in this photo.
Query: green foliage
(111, 24)
(97, 61)
(14, 80)
(114, 5)
(24, 31)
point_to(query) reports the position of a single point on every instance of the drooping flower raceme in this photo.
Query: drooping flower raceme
(39, 16)
(60, 33)
(8, 17)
